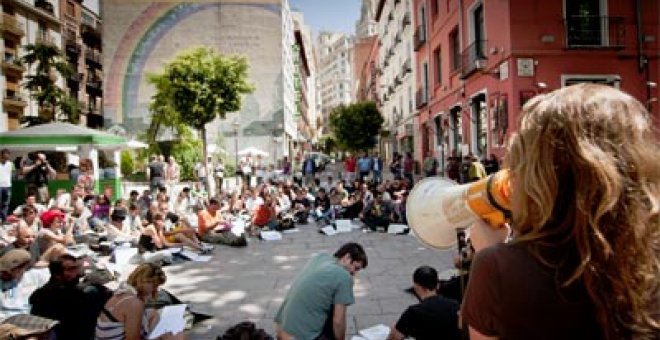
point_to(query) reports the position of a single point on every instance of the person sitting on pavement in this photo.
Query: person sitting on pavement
(434, 317)
(301, 207)
(354, 207)
(265, 216)
(55, 231)
(65, 299)
(61, 201)
(30, 218)
(133, 222)
(378, 213)
(153, 237)
(17, 282)
(25, 239)
(315, 305)
(30, 200)
(212, 228)
(115, 229)
(124, 315)
(323, 210)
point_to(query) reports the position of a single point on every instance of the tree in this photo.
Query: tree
(198, 86)
(54, 103)
(356, 126)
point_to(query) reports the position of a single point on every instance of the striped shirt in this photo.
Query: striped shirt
(113, 329)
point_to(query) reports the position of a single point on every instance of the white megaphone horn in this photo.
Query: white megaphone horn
(437, 207)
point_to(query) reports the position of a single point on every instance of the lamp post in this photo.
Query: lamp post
(235, 125)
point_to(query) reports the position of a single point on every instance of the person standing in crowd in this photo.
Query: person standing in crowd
(37, 172)
(465, 169)
(200, 171)
(377, 168)
(155, 174)
(454, 168)
(430, 165)
(492, 165)
(286, 167)
(219, 175)
(409, 168)
(309, 170)
(434, 317)
(315, 306)
(172, 175)
(585, 218)
(364, 166)
(476, 171)
(86, 178)
(247, 169)
(350, 166)
(6, 172)
(395, 166)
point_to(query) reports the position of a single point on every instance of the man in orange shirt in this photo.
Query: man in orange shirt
(212, 228)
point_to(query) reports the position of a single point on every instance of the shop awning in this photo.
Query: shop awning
(58, 135)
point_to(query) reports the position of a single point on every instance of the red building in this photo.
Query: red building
(365, 70)
(479, 61)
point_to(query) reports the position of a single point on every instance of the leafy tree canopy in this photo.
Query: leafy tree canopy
(356, 126)
(200, 85)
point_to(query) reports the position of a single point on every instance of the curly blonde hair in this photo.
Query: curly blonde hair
(147, 272)
(585, 169)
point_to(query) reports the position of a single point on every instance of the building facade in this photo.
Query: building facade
(23, 22)
(366, 26)
(487, 58)
(304, 80)
(396, 64)
(366, 70)
(335, 71)
(145, 35)
(82, 40)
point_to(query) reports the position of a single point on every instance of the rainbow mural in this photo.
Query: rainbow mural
(126, 73)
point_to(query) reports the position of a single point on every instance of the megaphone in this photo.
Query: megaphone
(437, 207)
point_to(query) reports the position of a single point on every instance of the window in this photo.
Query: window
(70, 9)
(477, 30)
(455, 50)
(456, 128)
(587, 23)
(438, 130)
(425, 79)
(437, 60)
(434, 6)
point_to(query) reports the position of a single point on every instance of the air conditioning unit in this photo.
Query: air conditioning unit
(480, 64)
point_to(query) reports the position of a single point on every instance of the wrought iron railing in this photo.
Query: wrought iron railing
(594, 31)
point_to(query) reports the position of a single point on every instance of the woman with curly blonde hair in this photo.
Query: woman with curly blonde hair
(584, 260)
(124, 316)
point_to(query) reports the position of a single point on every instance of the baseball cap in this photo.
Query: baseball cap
(49, 216)
(14, 259)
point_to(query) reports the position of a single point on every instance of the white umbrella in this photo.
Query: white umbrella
(253, 151)
(134, 144)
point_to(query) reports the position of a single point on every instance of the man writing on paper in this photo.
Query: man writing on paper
(315, 306)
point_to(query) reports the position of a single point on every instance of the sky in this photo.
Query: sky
(329, 15)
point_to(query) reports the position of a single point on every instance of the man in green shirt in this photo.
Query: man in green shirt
(315, 306)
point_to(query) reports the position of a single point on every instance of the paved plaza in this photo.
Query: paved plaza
(249, 283)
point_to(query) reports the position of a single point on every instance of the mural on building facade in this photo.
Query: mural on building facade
(144, 35)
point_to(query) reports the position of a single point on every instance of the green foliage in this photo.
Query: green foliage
(53, 102)
(127, 165)
(187, 151)
(356, 126)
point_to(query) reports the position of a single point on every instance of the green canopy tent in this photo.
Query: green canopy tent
(65, 137)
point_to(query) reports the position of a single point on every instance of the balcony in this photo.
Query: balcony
(94, 87)
(419, 37)
(473, 58)
(406, 20)
(14, 101)
(91, 33)
(44, 38)
(589, 31)
(398, 80)
(44, 5)
(421, 98)
(72, 46)
(93, 57)
(11, 25)
(406, 67)
(11, 64)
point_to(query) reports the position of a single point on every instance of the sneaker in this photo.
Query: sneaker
(207, 248)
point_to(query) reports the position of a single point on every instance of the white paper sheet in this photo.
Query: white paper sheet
(378, 332)
(194, 256)
(170, 320)
(329, 230)
(344, 226)
(396, 228)
(271, 235)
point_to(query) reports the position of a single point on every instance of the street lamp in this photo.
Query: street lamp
(235, 125)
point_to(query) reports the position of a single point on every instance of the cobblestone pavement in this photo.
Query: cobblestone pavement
(250, 283)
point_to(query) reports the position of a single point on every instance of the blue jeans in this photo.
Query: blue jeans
(378, 176)
(5, 199)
